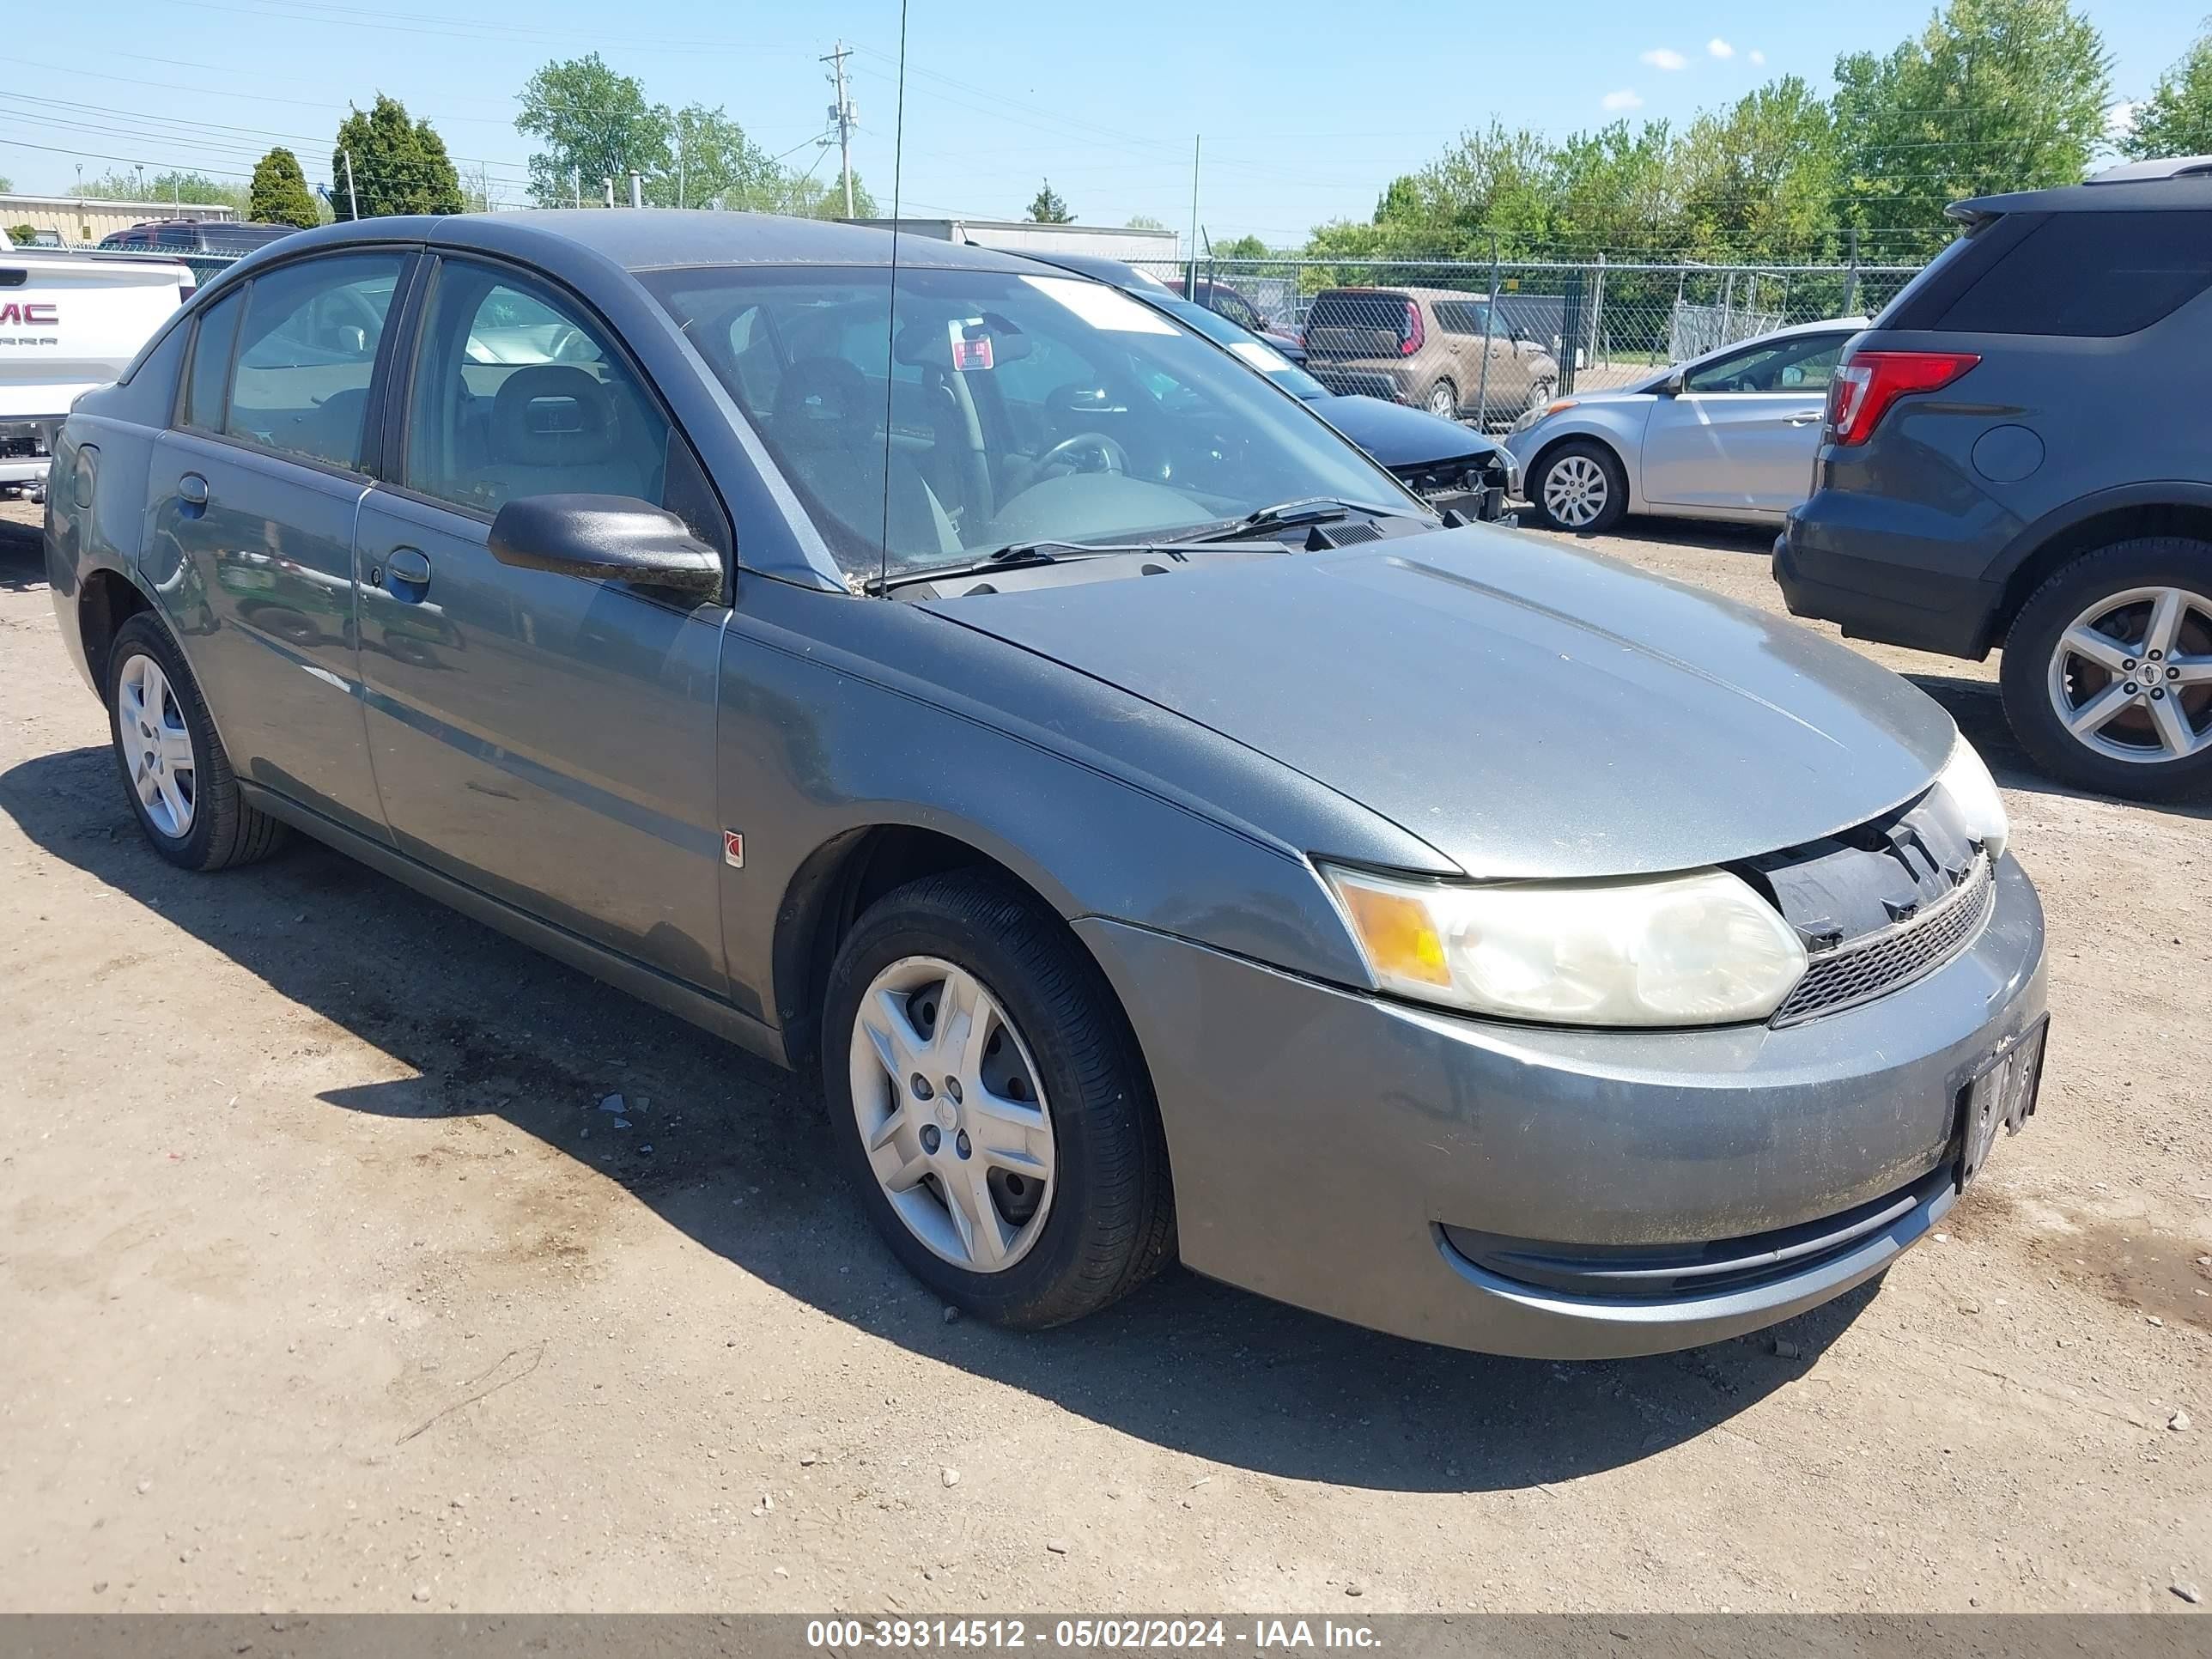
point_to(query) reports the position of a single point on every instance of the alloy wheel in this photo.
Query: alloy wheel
(958, 1132)
(2131, 677)
(1575, 491)
(1443, 400)
(157, 747)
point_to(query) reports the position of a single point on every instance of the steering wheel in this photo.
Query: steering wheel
(1112, 458)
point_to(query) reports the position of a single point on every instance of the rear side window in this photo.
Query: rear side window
(1384, 314)
(210, 379)
(2089, 274)
(311, 336)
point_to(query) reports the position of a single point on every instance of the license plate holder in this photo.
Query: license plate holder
(2002, 1093)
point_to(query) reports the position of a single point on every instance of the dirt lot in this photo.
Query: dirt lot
(326, 1284)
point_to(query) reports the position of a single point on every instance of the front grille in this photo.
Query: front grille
(1652, 1272)
(1860, 969)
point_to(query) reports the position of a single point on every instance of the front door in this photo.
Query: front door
(545, 739)
(251, 506)
(1742, 432)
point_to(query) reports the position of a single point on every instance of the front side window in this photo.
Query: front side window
(1804, 364)
(1002, 409)
(516, 392)
(306, 353)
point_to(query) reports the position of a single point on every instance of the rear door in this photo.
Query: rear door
(543, 739)
(1742, 433)
(252, 497)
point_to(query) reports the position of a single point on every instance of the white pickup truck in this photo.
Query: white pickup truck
(69, 322)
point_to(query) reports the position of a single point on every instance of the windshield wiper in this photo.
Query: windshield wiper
(1014, 555)
(1304, 509)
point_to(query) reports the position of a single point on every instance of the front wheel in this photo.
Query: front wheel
(992, 1106)
(2107, 672)
(1580, 487)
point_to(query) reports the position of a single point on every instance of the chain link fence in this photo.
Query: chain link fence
(1484, 341)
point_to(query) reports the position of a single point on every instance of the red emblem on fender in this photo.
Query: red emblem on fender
(734, 850)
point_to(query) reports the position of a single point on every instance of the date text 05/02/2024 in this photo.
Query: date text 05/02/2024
(1109, 1635)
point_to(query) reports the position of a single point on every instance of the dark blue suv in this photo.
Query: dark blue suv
(2015, 456)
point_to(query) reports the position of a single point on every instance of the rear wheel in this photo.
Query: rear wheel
(174, 770)
(2107, 672)
(992, 1105)
(1443, 400)
(1580, 486)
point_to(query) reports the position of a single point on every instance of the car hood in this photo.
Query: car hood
(1525, 709)
(1399, 437)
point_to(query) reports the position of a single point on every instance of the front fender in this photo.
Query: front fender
(840, 715)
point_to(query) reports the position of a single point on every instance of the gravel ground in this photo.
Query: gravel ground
(328, 1285)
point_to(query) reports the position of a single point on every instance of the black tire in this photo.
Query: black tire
(1615, 505)
(1428, 399)
(223, 829)
(2034, 641)
(1111, 1221)
(1541, 392)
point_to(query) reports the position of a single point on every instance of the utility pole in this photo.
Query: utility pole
(842, 114)
(679, 161)
(611, 189)
(1190, 282)
(637, 188)
(576, 183)
(353, 202)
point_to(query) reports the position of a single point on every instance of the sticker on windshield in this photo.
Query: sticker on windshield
(1261, 355)
(971, 342)
(1102, 306)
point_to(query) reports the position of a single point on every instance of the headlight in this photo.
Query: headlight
(1968, 781)
(1700, 949)
(1532, 415)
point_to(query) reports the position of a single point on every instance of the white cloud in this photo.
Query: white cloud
(1626, 97)
(1758, 57)
(1665, 57)
(1720, 48)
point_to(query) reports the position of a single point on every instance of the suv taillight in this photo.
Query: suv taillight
(1865, 388)
(1415, 335)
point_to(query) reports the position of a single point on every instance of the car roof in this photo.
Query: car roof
(2180, 186)
(649, 239)
(1407, 290)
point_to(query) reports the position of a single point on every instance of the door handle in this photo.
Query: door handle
(1801, 420)
(406, 573)
(192, 490)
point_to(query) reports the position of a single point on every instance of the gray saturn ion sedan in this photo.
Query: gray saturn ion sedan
(1165, 836)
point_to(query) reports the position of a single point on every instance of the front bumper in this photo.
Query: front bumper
(1322, 1141)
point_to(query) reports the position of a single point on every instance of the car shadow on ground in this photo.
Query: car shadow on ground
(737, 1155)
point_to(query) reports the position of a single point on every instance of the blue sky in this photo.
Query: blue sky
(1306, 109)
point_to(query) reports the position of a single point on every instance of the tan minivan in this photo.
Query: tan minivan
(1425, 346)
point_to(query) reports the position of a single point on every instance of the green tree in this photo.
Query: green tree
(386, 161)
(183, 186)
(1047, 209)
(593, 124)
(6, 184)
(1244, 247)
(2176, 119)
(279, 194)
(1758, 180)
(1993, 95)
(714, 161)
(20, 235)
(1144, 221)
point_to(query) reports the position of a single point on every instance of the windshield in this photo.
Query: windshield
(1248, 347)
(1007, 410)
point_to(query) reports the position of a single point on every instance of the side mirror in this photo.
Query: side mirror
(610, 538)
(1672, 385)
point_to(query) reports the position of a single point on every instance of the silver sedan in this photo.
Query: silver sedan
(1729, 435)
